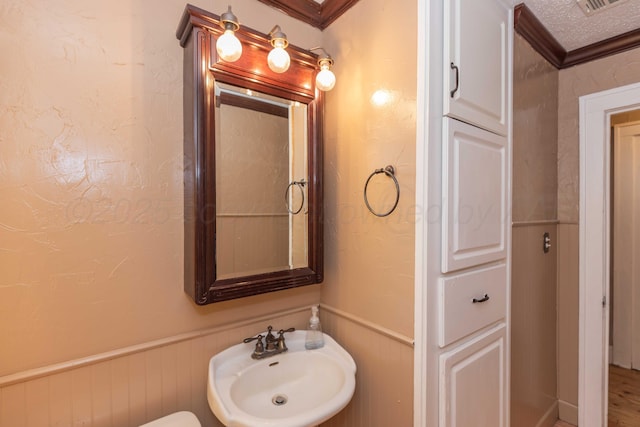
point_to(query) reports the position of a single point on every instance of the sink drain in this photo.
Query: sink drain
(279, 399)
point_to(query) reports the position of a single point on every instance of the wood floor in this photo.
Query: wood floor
(624, 397)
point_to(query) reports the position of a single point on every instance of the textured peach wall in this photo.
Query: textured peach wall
(607, 73)
(535, 130)
(369, 261)
(91, 178)
(533, 282)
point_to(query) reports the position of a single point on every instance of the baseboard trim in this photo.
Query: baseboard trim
(32, 374)
(550, 417)
(610, 353)
(534, 223)
(568, 412)
(370, 325)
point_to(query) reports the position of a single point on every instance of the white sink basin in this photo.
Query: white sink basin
(298, 388)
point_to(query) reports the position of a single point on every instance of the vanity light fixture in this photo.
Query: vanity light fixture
(278, 58)
(325, 79)
(228, 46)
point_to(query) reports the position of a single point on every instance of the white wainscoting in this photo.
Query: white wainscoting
(128, 386)
(133, 385)
(384, 380)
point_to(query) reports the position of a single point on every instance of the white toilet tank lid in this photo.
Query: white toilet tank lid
(177, 419)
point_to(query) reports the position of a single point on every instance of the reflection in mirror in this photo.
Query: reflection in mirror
(261, 220)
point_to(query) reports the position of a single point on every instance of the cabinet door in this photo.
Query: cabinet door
(473, 383)
(475, 196)
(476, 60)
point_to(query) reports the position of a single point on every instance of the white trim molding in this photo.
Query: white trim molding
(403, 339)
(595, 146)
(420, 412)
(32, 374)
(534, 223)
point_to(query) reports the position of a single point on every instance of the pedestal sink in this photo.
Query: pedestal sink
(297, 388)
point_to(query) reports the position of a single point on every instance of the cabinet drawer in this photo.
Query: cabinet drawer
(473, 384)
(459, 314)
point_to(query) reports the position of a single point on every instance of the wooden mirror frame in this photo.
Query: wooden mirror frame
(197, 32)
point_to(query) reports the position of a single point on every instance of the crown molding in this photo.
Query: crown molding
(617, 44)
(531, 29)
(314, 14)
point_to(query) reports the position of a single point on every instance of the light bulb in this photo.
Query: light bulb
(325, 80)
(229, 47)
(278, 60)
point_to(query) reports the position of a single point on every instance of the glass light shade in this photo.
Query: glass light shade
(278, 60)
(325, 80)
(229, 47)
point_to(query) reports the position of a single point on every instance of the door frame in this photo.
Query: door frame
(420, 352)
(595, 149)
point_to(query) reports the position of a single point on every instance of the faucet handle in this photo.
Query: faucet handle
(259, 345)
(281, 344)
(257, 337)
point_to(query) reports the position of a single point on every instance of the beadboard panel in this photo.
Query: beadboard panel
(133, 388)
(130, 389)
(533, 327)
(384, 379)
(568, 325)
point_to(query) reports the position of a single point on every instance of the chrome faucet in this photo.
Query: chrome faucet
(274, 345)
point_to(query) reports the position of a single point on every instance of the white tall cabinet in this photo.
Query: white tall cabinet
(466, 246)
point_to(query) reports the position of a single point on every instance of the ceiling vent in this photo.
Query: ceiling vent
(589, 7)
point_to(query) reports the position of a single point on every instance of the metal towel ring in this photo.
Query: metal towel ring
(300, 184)
(391, 173)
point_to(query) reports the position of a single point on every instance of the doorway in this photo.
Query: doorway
(624, 327)
(625, 241)
(595, 232)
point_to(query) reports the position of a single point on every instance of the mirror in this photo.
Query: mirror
(253, 166)
(261, 176)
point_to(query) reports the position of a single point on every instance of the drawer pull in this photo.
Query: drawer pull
(483, 299)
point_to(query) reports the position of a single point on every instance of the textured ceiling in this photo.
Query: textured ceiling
(573, 29)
